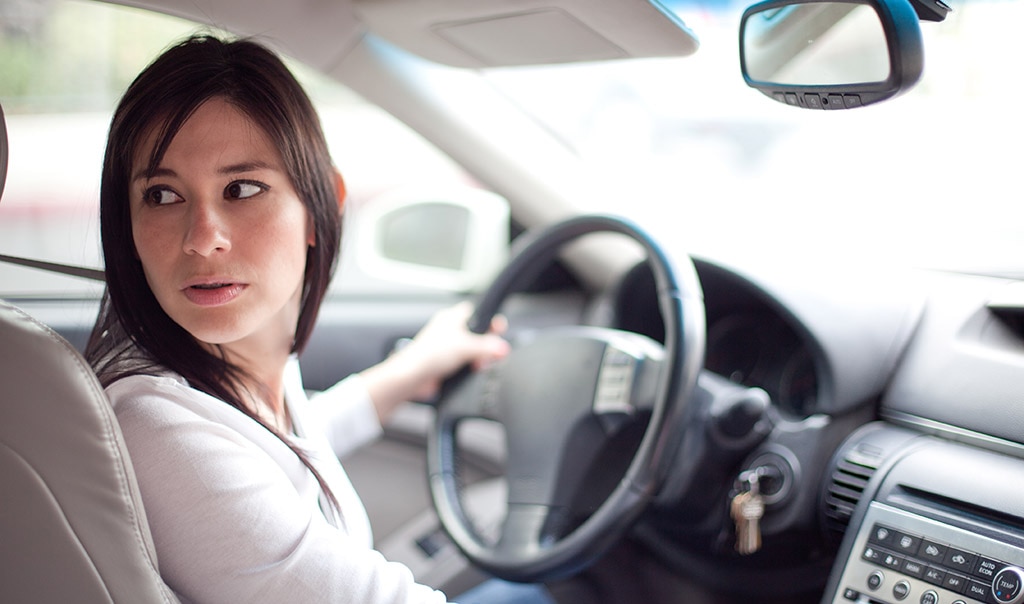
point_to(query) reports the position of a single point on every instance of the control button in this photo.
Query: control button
(892, 561)
(934, 576)
(930, 597)
(791, 99)
(960, 560)
(901, 590)
(833, 101)
(978, 591)
(932, 552)
(913, 568)
(812, 100)
(852, 100)
(1006, 587)
(986, 568)
(873, 555)
(851, 594)
(875, 580)
(955, 583)
(907, 544)
(882, 535)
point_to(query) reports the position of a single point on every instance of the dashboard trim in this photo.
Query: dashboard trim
(954, 433)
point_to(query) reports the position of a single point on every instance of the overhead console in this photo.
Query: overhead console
(937, 522)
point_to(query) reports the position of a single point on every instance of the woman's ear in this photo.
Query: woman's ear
(339, 183)
(342, 193)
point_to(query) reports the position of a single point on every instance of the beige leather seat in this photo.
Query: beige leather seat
(72, 526)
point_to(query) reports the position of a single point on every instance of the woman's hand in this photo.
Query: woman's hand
(443, 346)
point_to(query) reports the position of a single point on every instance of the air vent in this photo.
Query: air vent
(849, 478)
(852, 468)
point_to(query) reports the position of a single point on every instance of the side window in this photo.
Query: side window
(66, 63)
(414, 220)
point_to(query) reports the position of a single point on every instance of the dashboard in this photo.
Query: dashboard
(756, 349)
(749, 340)
(896, 427)
(909, 389)
(940, 520)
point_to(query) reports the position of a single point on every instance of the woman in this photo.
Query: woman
(220, 222)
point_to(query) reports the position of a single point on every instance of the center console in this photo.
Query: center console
(941, 523)
(899, 556)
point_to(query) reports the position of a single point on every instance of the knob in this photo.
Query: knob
(1007, 585)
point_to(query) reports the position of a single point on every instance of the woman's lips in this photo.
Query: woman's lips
(213, 294)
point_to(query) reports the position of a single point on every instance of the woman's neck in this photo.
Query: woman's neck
(264, 385)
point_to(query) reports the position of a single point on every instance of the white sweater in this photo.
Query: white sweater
(235, 516)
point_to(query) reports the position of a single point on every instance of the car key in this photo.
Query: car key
(746, 509)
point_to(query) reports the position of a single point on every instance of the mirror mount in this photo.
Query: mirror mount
(831, 54)
(931, 10)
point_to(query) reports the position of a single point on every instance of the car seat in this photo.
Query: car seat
(72, 525)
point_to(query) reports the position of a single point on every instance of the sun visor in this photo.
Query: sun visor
(498, 33)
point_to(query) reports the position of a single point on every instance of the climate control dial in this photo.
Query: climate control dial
(1008, 585)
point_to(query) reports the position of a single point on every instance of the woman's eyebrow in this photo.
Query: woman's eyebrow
(146, 173)
(249, 166)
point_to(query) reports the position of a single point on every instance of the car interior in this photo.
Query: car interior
(764, 423)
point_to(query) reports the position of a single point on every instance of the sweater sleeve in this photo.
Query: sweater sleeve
(228, 521)
(347, 415)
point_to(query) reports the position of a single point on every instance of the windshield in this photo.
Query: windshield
(926, 179)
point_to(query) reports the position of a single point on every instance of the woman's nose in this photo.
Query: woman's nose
(207, 230)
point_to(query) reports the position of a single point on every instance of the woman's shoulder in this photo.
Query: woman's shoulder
(144, 382)
(160, 399)
(144, 388)
(161, 413)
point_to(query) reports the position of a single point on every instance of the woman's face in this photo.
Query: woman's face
(221, 233)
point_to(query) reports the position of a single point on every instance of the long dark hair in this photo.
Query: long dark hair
(133, 335)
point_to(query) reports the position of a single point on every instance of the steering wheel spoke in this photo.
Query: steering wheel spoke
(528, 529)
(471, 396)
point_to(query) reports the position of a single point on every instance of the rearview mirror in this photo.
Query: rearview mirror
(836, 54)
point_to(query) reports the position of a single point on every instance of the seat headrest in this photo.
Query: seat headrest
(3, 152)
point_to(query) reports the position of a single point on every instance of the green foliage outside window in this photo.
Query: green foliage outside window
(62, 56)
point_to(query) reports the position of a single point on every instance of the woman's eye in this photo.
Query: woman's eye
(161, 196)
(242, 189)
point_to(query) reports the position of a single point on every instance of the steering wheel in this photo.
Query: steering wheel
(560, 396)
